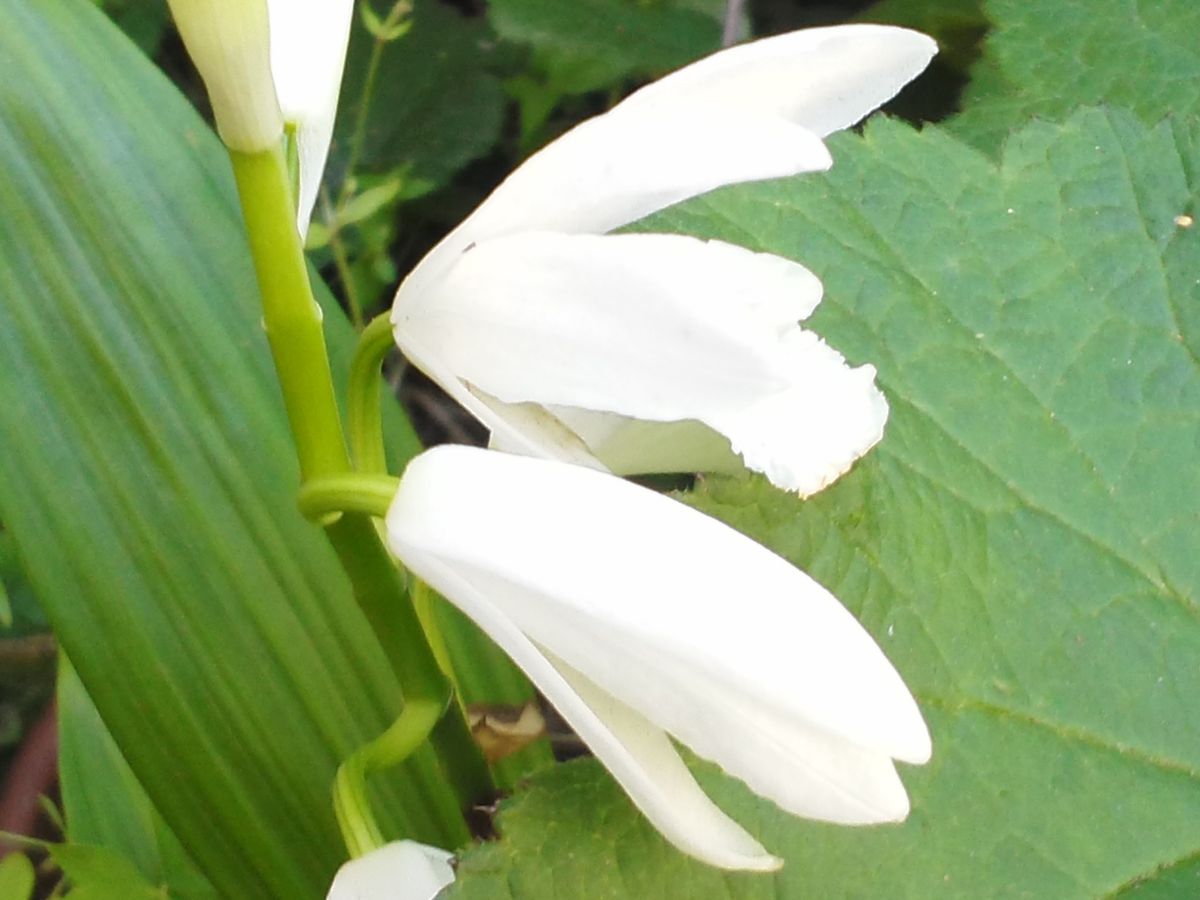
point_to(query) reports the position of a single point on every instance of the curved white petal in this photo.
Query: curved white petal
(401, 870)
(747, 113)
(637, 447)
(806, 770)
(660, 328)
(308, 52)
(524, 428)
(824, 79)
(639, 755)
(229, 44)
(699, 628)
(609, 171)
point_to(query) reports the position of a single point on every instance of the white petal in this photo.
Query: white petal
(661, 328)
(612, 578)
(519, 428)
(609, 171)
(402, 870)
(635, 447)
(639, 756)
(308, 52)
(744, 114)
(824, 79)
(805, 770)
(230, 46)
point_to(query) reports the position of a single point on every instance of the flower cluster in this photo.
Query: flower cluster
(589, 355)
(641, 353)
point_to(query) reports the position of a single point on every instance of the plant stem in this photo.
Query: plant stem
(350, 804)
(291, 316)
(371, 495)
(292, 320)
(362, 400)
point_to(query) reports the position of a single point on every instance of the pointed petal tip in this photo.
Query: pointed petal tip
(918, 745)
(765, 863)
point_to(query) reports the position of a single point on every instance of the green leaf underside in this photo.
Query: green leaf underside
(1046, 59)
(1022, 543)
(148, 478)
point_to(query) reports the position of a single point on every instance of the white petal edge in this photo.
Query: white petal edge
(401, 870)
(824, 79)
(308, 54)
(805, 770)
(639, 755)
(747, 113)
(660, 328)
(568, 552)
(607, 172)
(636, 447)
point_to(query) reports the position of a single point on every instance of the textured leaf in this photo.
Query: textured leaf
(148, 479)
(1022, 543)
(1045, 59)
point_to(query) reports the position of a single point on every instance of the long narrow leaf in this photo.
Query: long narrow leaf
(147, 477)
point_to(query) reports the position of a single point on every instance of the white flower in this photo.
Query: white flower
(402, 870)
(639, 618)
(267, 64)
(643, 353)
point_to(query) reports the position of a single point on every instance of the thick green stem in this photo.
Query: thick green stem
(292, 320)
(291, 316)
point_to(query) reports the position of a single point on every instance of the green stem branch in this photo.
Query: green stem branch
(362, 402)
(350, 803)
(292, 320)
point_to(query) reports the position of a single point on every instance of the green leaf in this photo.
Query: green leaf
(433, 107)
(104, 804)
(1046, 59)
(99, 874)
(603, 41)
(1022, 543)
(149, 481)
(22, 615)
(16, 877)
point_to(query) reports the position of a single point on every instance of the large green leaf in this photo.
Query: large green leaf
(1022, 543)
(148, 480)
(106, 807)
(1045, 59)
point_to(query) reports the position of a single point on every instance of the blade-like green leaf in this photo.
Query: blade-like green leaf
(1022, 543)
(106, 807)
(148, 479)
